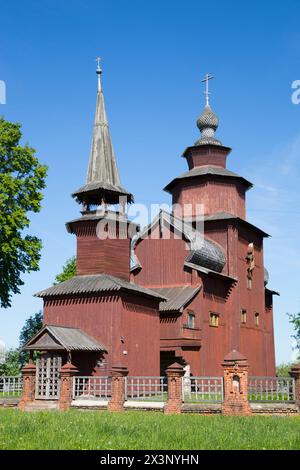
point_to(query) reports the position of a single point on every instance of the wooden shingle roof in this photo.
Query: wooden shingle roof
(96, 284)
(177, 297)
(204, 171)
(52, 337)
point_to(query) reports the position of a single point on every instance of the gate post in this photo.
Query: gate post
(67, 373)
(119, 374)
(236, 402)
(29, 378)
(174, 373)
(295, 373)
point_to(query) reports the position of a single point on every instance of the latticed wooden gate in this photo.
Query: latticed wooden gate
(47, 377)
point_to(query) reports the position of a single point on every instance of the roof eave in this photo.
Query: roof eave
(169, 186)
(96, 195)
(210, 272)
(191, 147)
(241, 221)
(44, 295)
(272, 292)
(62, 346)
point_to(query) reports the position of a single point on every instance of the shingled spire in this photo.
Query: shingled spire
(103, 181)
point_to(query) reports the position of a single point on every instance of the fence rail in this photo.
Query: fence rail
(194, 389)
(10, 386)
(146, 388)
(271, 389)
(202, 389)
(92, 387)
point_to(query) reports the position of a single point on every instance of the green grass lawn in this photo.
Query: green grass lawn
(10, 395)
(144, 430)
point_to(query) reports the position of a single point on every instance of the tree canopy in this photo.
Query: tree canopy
(22, 178)
(68, 271)
(31, 327)
(295, 321)
(11, 365)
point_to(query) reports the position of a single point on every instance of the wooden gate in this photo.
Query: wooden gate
(48, 377)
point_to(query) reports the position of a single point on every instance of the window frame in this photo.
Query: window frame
(243, 316)
(191, 314)
(214, 319)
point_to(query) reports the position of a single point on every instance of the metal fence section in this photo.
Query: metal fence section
(271, 389)
(202, 389)
(10, 386)
(146, 388)
(92, 387)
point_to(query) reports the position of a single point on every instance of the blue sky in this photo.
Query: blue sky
(155, 54)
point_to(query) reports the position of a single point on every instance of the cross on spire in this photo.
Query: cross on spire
(207, 93)
(98, 60)
(98, 72)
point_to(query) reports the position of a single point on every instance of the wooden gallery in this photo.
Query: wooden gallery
(143, 300)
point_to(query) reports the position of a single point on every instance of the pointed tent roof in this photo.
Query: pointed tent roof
(103, 180)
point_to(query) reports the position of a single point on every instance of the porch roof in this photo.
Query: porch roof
(177, 297)
(52, 337)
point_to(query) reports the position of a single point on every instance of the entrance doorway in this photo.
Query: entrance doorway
(48, 377)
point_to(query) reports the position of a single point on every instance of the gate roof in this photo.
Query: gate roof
(52, 337)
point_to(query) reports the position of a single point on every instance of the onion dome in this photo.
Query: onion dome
(209, 256)
(208, 123)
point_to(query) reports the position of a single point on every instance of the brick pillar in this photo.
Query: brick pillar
(67, 372)
(28, 393)
(295, 373)
(116, 403)
(236, 402)
(174, 373)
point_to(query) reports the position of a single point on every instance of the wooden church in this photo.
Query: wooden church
(169, 292)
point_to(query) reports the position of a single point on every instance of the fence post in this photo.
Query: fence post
(235, 368)
(295, 373)
(28, 392)
(67, 373)
(119, 374)
(174, 373)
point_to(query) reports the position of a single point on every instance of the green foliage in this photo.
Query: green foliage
(295, 321)
(32, 325)
(11, 366)
(68, 271)
(132, 430)
(282, 370)
(22, 178)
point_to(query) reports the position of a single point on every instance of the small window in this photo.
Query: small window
(249, 282)
(191, 320)
(244, 316)
(256, 319)
(214, 319)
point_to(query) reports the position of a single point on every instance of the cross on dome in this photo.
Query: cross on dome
(208, 122)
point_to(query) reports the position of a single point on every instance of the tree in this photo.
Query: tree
(32, 325)
(22, 178)
(295, 321)
(282, 370)
(11, 365)
(68, 271)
